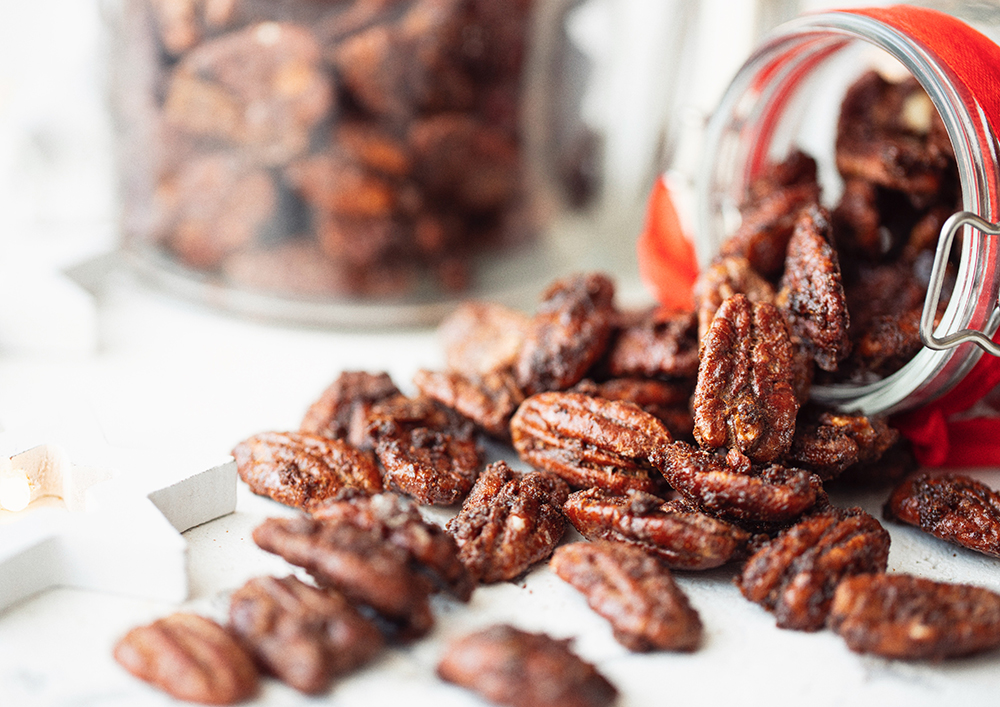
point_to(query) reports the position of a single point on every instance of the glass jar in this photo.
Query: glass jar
(788, 95)
(349, 162)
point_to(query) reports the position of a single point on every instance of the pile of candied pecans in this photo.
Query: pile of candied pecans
(346, 147)
(668, 440)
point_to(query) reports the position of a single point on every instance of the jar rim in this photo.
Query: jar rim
(790, 53)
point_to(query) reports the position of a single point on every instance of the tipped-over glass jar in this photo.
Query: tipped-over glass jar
(788, 97)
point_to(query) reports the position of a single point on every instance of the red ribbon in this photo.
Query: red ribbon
(939, 433)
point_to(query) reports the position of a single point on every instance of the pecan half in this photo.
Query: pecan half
(952, 507)
(298, 469)
(680, 536)
(303, 635)
(427, 450)
(508, 666)
(724, 278)
(489, 401)
(356, 563)
(481, 338)
(668, 401)
(744, 397)
(812, 291)
(659, 344)
(341, 410)
(632, 590)
(795, 574)
(827, 443)
(773, 494)
(569, 333)
(191, 658)
(396, 520)
(901, 616)
(589, 441)
(509, 522)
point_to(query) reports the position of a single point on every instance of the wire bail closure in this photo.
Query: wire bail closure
(951, 227)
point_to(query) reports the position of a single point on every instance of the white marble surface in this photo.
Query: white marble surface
(172, 384)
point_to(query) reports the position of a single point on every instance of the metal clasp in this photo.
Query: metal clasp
(948, 231)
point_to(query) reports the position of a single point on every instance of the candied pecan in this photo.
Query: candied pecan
(896, 463)
(877, 290)
(726, 277)
(767, 225)
(367, 144)
(827, 443)
(361, 241)
(191, 658)
(795, 574)
(489, 401)
(744, 397)
(659, 344)
(589, 441)
(481, 338)
(262, 87)
(857, 223)
(509, 522)
(886, 344)
(427, 450)
(812, 292)
(396, 520)
(303, 635)
(298, 468)
(508, 666)
(953, 507)
(797, 168)
(343, 407)
(668, 401)
(679, 535)
(357, 563)
(213, 206)
(632, 590)
(373, 70)
(902, 616)
(333, 184)
(773, 494)
(878, 140)
(569, 333)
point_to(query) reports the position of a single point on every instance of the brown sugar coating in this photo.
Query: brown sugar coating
(299, 469)
(911, 618)
(397, 521)
(632, 590)
(428, 451)
(589, 441)
(827, 443)
(795, 574)
(772, 494)
(358, 564)
(191, 658)
(303, 635)
(953, 507)
(661, 344)
(569, 333)
(509, 522)
(342, 408)
(812, 292)
(744, 398)
(678, 534)
(509, 666)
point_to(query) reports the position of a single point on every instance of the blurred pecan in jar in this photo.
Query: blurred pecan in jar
(191, 658)
(632, 590)
(681, 536)
(299, 469)
(304, 635)
(261, 88)
(796, 574)
(509, 522)
(744, 398)
(953, 507)
(590, 441)
(509, 666)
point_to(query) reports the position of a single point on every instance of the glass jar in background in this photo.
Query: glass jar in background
(350, 162)
(787, 97)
